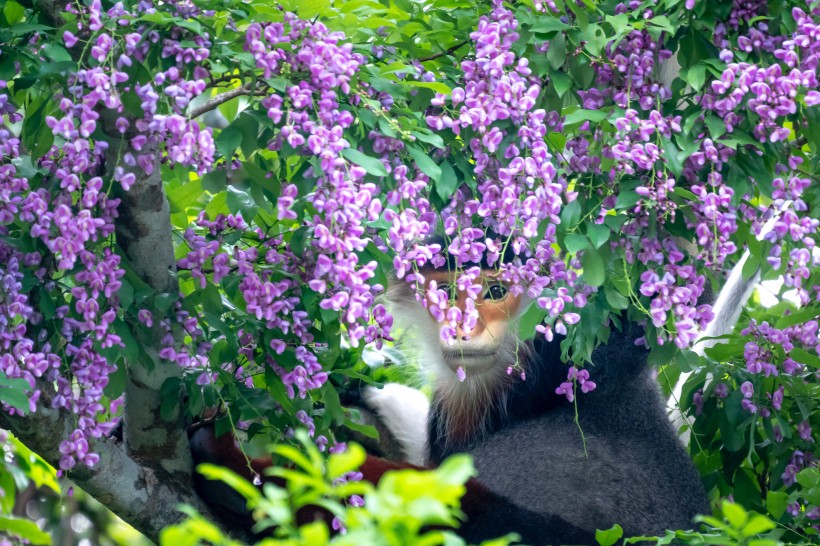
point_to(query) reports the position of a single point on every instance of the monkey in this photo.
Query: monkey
(611, 458)
(550, 474)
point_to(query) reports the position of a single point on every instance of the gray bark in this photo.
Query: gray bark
(147, 498)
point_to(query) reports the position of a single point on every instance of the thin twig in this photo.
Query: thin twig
(447, 51)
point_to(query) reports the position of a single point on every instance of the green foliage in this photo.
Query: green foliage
(24, 529)
(739, 453)
(401, 509)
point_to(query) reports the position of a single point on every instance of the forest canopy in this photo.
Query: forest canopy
(202, 204)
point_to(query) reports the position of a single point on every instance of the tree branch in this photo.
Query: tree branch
(144, 233)
(146, 498)
(220, 99)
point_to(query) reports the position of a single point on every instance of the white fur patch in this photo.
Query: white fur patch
(404, 412)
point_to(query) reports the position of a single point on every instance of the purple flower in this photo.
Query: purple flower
(461, 374)
(567, 389)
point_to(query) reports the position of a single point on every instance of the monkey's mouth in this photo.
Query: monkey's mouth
(457, 356)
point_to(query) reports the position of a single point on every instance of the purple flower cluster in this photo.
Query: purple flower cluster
(70, 222)
(799, 460)
(759, 356)
(20, 358)
(793, 230)
(769, 94)
(517, 188)
(636, 150)
(775, 353)
(628, 76)
(269, 281)
(312, 122)
(674, 290)
(74, 222)
(579, 377)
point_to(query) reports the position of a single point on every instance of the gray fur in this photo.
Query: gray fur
(634, 472)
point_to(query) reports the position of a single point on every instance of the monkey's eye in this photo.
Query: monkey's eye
(495, 292)
(448, 289)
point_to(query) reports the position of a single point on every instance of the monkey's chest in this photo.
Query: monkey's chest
(592, 481)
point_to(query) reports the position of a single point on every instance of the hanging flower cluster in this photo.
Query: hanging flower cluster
(517, 190)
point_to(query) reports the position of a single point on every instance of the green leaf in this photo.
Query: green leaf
(581, 115)
(438, 87)
(531, 318)
(735, 514)
(598, 234)
(15, 398)
(448, 182)
(25, 28)
(595, 38)
(367, 430)
(370, 164)
(610, 536)
(170, 396)
(25, 529)
(16, 383)
(758, 524)
(717, 127)
(215, 181)
(695, 76)
(615, 299)
(347, 461)
(427, 165)
(299, 239)
(662, 354)
(228, 140)
(627, 199)
(620, 22)
(116, 382)
(557, 53)
(426, 136)
(575, 242)
(805, 357)
(561, 81)
(793, 318)
(593, 264)
(571, 215)
(14, 13)
(240, 201)
(671, 155)
(732, 435)
(548, 24)
(235, 481)
(662, 22)
(776, 503)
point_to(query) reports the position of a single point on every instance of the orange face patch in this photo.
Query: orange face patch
(495, 304)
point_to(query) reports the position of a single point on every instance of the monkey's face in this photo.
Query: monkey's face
(491, 338)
